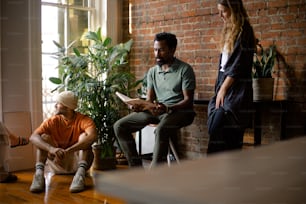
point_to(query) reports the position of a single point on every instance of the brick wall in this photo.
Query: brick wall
(197, 26)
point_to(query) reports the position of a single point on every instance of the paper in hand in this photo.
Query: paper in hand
(146, 105)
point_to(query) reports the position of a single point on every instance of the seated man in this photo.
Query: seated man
(8, 139)
(170, 85)
(64, 142)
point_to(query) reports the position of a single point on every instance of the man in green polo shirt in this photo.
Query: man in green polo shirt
(170, 85)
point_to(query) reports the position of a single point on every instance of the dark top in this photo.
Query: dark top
(239, 96)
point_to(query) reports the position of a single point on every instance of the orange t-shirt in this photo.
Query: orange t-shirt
(65, 133)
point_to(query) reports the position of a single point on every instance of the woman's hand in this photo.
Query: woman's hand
(222, 91)
(220, 98)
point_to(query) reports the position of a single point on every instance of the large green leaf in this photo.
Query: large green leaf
(92, 36)
(263, 67)
(77, 52)
(55, 80)
(107, 41)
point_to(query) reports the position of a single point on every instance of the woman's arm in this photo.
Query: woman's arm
(223, 90)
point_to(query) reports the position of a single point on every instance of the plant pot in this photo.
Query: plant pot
(103, 163)
(263, 89)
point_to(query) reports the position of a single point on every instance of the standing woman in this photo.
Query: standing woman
(229, 110)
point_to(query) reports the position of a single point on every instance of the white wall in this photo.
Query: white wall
(20, 68)
(20, 58)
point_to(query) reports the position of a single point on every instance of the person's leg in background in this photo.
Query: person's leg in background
(5, 176)
(123, 130)
(8, 139)
(216, 142)
(224, 133)
(38, 183)
(215, 125)
(168, 126)
(13, 139)
(85, 159)
(233, 138)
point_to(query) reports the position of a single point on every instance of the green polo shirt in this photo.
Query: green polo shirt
(169, 86)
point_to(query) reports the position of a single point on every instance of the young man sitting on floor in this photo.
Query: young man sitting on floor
(64, 142)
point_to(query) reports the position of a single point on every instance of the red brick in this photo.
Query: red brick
(197, 26)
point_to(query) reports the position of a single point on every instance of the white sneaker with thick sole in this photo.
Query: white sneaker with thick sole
(78, 184)
(38, 183)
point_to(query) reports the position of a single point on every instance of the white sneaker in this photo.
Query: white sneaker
(78, 183)
(38, 183)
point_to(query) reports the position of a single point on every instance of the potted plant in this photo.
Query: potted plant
(263, 83)
(94, 76)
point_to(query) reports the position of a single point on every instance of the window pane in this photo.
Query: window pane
(52, 28)
(79, 3)
(83, 3)
(52, 1)
(52, 25)
(78, 25)
(63, 21)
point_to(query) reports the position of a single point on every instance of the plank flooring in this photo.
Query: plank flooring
(57, 190)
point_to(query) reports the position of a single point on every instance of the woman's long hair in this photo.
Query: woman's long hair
(232, 28)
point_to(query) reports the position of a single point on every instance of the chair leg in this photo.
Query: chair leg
(168, 157)
(172, 149)
(139, 142)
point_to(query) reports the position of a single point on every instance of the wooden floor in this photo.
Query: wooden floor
(57, 190)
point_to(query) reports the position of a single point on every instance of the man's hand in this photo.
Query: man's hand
(158, 109)
(56, 154)
(136, 107)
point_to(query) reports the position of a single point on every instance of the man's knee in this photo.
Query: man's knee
(117, 125)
